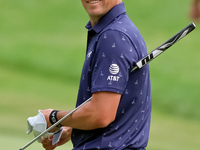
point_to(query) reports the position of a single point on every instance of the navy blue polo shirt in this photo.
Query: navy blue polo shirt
(114, 45)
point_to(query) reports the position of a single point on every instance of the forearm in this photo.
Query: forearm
(84, 118)
(97, 113)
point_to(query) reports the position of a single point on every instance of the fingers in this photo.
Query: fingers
(46, 114)
(47, 143)
(65, 137)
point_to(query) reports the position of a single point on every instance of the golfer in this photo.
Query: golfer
(118, 115)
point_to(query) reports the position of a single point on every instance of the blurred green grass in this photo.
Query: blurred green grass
(42, 49)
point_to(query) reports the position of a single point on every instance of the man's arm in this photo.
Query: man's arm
(97, 113)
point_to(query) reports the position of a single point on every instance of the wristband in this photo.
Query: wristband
(53, 118)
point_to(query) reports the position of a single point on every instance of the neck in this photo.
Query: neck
(94, 20)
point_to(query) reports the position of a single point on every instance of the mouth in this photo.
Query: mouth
(93, 1)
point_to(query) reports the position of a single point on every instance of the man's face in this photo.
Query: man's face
(97, 8)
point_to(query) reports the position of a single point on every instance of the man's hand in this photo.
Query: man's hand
(37, 124)
(65, 137)
(46, 114)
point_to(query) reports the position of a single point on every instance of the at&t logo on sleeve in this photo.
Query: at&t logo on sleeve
(114, 70)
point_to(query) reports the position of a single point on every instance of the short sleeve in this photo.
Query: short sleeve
(114, 55)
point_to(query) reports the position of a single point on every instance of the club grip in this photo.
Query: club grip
(152, 55)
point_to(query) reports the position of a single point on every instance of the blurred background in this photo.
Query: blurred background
(42, 49)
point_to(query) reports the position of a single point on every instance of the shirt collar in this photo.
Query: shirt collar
(106, 19)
